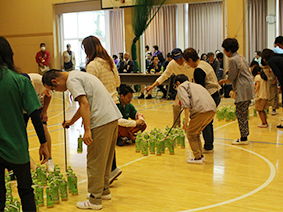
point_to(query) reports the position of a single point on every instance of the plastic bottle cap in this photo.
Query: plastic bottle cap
(49, 184)
(16, 199)
(63, 178)
(39, 183)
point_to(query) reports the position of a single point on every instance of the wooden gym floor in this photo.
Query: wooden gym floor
(234, 178)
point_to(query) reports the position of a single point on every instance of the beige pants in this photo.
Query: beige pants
(99, 159)
(197, 123)
(176, 110)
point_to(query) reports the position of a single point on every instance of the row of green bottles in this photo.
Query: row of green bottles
(12, 206)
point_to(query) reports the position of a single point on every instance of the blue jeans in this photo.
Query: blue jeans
(208, 133)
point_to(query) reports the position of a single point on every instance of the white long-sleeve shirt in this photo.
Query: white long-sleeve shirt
(175, 68)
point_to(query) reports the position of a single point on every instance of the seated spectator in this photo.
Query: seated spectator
(148, 60)
(169, 58)
(147, 51)
(128, 128)
(219, 57)
(159, 54)
(127, 66)
(115, 58)
(121, 57)
(214, 63)
(203, 57)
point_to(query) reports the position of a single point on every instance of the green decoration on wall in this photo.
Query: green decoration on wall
(141, 18)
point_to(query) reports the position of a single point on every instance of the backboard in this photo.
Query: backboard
(110, 4)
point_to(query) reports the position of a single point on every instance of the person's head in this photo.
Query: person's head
(121, 56)
(146, 48)
(149, 56)
(42, 47)
(169, 56)
(155, 48)
(266, 54)
(179, 79)
(210, 57)
(127, 56)
(68, 47)
(6, 55)
(217, 51)
(203, 57)
(177, 56)
(257, 54)
(155, 60)
(126, 94)
(230, 46)
(256, 70)
(54, 80)
(191, 57)
(219, 56)
(279, 42)
(115, 57)
(93, 48)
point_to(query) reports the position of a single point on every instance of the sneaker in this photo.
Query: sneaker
(149, 96)
(49, 166)
(87, 205)
(239, 142)
(104, 196)
(273, 113)
(206, 151)
(262, 125)
(195, 161)
(114, 174)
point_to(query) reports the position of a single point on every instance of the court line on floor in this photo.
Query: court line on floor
(266, 183)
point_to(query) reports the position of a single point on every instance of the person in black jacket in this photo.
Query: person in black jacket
(275, 62)
(127, 66)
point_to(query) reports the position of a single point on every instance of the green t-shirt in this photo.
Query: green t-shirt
(16, 94)
(128, 111)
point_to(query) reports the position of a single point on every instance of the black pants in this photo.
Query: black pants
(22, 172)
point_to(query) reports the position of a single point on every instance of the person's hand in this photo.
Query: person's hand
(128, 66)
(44, 117)
(87, 137)
(139, 123)
(149, 88)
(274, 82)
(67, 124)
(44, 154)
(185, 126)
(41, 65)
(221, 82)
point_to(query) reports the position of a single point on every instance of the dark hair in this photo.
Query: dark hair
(42, 44)
(169, 55)
(125, 90)
(279, 40)
(121, 54)
(219, 55)
(210, 53)
(115, 56)
(257, 69)
(6, 56)
(253, 63)
(181, 78)
(155, 47)
(266, 54)
(93, 49)
(230, 44)
(149, 53)
(190, 53)
(258, 53)
(203, 55)
(50, 75)
(68, 45)
(147, 47)
(154, 57)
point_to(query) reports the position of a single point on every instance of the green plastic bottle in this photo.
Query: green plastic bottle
(43, 176)
(9, 196)
(56, 170)
(39, 191)
(80, 145)
(7, 207)
(35, 195)
(38, 172)
(64, 190)
(49, 196)
(50, 176)
(8, 186)
(69, 176)
(74, 183)
(17, 205)
(59, 179)
(56, 193)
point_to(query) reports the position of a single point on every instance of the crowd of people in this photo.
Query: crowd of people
(108, 116)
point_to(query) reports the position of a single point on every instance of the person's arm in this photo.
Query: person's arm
(47, 59)
(233, 70)
(187, 112)
(43, 150)
(199, 76)
(84, 112)
(47, 99)
(275, 81)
